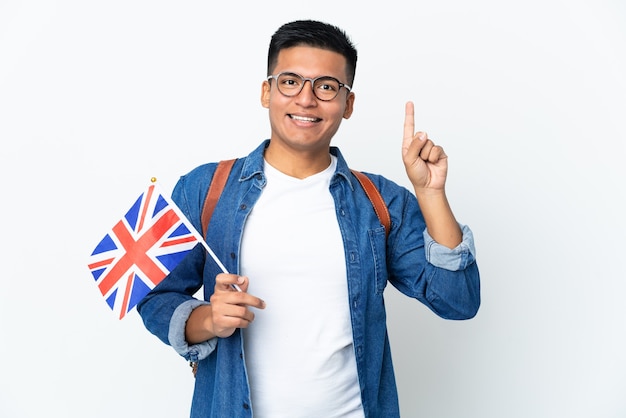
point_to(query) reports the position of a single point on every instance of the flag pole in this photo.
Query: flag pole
(217, 261)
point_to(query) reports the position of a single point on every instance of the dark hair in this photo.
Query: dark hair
(315, 34)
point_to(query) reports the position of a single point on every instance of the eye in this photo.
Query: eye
(327, 85)
(290, 81)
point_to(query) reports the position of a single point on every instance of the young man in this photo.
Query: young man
(306, 335)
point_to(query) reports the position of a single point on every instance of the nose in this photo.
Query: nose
(306, 95)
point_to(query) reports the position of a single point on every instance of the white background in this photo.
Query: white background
(527, 98)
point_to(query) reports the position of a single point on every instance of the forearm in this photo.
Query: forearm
(440, 221)
(199, 325)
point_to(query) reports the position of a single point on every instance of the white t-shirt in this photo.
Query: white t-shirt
(299, 350)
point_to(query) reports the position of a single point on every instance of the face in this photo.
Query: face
(303, 122)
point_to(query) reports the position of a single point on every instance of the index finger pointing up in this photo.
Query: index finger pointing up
(409, 121)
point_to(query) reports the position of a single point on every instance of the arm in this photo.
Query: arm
(445, 280)
(450, 281)
(171, 312)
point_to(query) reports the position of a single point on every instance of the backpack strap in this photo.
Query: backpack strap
(215, 190)
(221, 176)
(377, 200)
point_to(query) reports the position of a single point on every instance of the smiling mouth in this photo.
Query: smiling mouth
(304, 118)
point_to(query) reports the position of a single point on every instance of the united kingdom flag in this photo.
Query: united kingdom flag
(141, 249)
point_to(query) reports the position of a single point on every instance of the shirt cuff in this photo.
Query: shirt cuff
(454, 259)
(176, 334)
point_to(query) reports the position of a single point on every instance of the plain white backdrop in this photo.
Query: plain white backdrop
(527, 98)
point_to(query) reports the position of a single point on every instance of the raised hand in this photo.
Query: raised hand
(427, 167)
(426, 164)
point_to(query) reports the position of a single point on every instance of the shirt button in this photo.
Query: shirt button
(232, 255)
(243, 207)
(246, 406)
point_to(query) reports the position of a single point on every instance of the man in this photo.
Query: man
(305, 336)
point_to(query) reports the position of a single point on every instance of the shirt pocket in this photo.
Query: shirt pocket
(378, 243)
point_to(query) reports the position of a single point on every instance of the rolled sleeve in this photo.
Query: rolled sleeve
(454, 259)
(176, 335)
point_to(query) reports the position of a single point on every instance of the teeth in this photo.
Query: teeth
(302, 118)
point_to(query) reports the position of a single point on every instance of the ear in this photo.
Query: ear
(349, 106)
(265, 94)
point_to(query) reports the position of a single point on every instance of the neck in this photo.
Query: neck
(298, 164)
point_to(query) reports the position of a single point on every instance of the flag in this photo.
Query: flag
(140, 250)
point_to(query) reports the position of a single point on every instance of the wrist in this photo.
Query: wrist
(426, 193)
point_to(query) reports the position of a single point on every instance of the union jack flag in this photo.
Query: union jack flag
(141, 249)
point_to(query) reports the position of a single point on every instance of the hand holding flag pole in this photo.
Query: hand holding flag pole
(142, 248)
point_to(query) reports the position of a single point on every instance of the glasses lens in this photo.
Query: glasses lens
(326, 88)
(289, 84)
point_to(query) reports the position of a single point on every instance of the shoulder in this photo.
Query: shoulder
(399, 200)
(199, 174)
(385, 185)
(192, 186)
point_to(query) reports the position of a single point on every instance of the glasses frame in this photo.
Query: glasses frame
(312, 81)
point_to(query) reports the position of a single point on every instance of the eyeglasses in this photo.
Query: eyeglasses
(325, 88)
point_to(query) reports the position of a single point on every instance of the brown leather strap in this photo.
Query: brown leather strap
(215, 190)
(377, 200)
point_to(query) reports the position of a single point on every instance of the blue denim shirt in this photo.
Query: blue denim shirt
(447, 281)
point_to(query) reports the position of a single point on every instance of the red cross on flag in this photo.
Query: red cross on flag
(141, 249)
